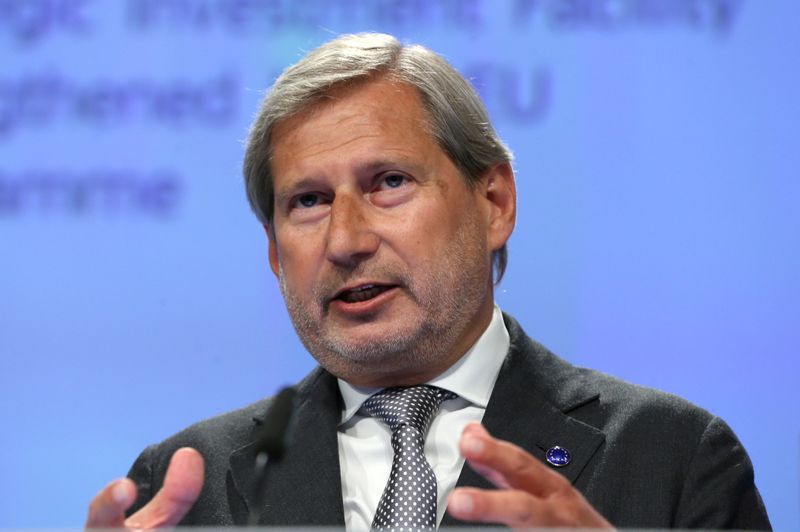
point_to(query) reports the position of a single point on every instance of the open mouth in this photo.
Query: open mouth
(362, 293)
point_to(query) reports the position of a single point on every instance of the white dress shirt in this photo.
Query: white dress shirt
(365, 450)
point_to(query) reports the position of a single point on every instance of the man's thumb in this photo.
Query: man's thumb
(182, 486)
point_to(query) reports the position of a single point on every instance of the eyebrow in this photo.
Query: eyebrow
(383, 164)
(285, 195)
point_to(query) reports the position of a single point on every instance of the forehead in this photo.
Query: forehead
(373, 116)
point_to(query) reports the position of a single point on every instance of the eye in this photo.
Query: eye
(305, 201)
(392, 188)
(394, 180)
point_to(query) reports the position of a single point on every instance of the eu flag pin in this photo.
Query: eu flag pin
(558, 456)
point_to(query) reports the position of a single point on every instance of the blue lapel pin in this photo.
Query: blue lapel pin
(558, 456)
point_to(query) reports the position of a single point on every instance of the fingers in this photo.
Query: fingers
(507, 466)
(182, 485)
(107, 509)
(517, 509)
(532, 495)
(508, 507)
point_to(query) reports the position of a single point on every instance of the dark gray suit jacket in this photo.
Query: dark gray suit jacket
(643, 458)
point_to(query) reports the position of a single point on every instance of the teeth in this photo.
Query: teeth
(362, 293)
(362, 288)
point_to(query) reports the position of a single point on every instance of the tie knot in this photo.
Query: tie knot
(414, 406)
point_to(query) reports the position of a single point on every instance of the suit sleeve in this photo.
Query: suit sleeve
(720, 491)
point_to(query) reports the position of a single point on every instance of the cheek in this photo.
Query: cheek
(419, 237)
(294, 263)
(303, 249)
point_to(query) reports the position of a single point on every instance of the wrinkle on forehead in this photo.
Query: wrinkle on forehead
(324, 146)
(344, 120)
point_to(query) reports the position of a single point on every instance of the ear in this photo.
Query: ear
(501, 196)
(273, 250)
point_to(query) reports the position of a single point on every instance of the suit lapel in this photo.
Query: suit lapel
(528, 407)
(304, 486)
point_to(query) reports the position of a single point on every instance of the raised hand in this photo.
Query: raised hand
(182, 485)
(531, 494)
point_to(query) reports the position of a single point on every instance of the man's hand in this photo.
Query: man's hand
(182, 485)
(531, 494)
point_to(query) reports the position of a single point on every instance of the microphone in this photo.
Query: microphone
(270, 443)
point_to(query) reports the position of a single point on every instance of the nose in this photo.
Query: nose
(351, 237)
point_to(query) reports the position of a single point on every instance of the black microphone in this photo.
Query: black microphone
(270, 443)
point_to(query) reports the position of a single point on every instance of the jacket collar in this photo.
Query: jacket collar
(304, 486)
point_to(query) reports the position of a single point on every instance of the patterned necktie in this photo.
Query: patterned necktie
(409, 499)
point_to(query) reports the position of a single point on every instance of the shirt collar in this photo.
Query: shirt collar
(472, 377)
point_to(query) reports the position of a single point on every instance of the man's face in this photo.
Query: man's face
(381, 250)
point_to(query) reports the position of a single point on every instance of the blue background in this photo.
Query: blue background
(657, 152)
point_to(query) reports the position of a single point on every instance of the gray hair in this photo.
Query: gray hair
(458, 119)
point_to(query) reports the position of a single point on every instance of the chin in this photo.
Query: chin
(370, 355)
(375, 374)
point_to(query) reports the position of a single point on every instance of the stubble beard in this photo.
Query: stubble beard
(448, 293)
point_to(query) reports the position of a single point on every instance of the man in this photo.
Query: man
(387, 199)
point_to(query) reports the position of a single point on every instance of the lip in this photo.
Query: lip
(362, 308)
(355, 286)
